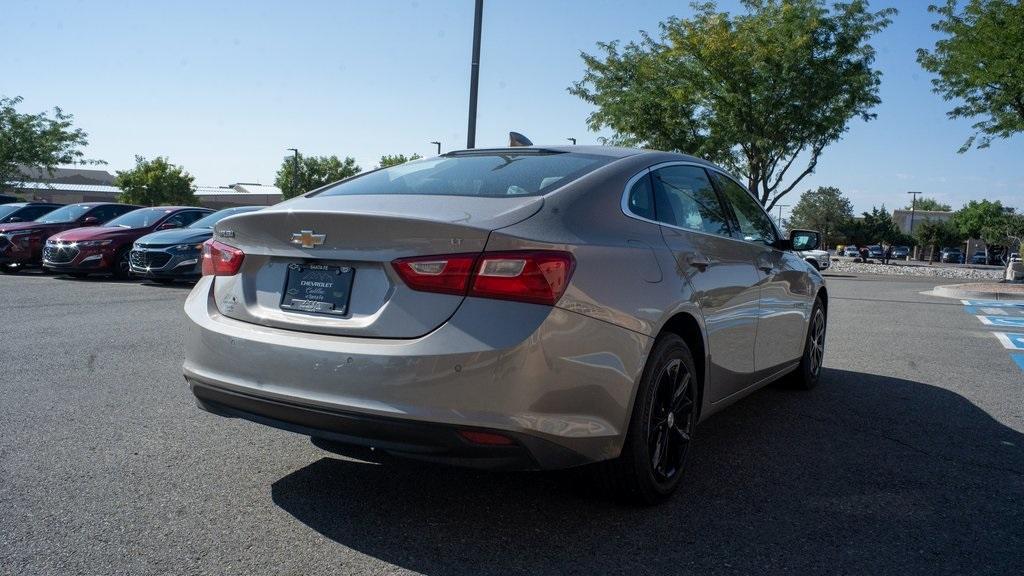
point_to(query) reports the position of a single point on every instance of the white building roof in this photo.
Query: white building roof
(95, 188)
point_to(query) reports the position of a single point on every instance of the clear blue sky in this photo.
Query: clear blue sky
(224, 87)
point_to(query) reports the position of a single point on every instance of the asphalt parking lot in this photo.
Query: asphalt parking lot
(908, 459)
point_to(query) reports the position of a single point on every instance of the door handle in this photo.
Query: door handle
(700, 261)
(766, 268)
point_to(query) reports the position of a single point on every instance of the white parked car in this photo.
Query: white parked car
(817, 258)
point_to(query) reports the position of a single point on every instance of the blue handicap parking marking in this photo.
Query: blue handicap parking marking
(1010, 340)
(994, 310)
(1019, 359)
(1002, 321)
(994, 303)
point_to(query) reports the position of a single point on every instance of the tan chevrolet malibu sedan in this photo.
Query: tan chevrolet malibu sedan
(516, 308)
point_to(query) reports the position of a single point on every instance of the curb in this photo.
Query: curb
(963, 291)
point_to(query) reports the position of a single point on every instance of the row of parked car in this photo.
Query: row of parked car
(162, 243)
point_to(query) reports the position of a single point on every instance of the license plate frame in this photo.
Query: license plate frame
(318, 289)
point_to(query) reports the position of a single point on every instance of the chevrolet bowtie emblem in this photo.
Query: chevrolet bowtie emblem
(307, 239)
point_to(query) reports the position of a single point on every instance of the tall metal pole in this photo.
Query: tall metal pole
(474, 75)
(295, 170)
(438, 144)
(913, 208)
(781, 206)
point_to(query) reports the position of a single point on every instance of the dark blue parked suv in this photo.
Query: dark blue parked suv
(170, 255)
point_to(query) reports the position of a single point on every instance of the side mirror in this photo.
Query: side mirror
(801, 240)
(168, 226)
(90, 221)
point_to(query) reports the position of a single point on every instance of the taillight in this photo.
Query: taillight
(445, 274)
(539, 276)
(219, 259)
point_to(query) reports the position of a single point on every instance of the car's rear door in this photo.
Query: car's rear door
(720, 270)
(785, 304)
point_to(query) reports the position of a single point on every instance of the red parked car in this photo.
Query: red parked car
(21, 243)
(105, 249)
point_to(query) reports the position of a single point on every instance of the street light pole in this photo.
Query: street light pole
(474, 74)
(573, 140)
(438, 144)
(781, 206)
(913, 208)
(295, 170)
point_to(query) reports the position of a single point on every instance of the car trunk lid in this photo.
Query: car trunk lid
(354, 239)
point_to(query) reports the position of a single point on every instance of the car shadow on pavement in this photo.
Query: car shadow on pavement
(866, 474)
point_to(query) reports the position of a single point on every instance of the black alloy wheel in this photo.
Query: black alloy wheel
(661, 428)
(671, 422)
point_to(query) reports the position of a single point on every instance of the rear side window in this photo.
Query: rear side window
(754, 224)
(493, 174)
(684, 197)
(641, 198)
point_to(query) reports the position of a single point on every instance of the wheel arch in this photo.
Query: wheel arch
(690, 329)
(823, 295)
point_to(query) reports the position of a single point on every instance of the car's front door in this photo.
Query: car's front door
(785, 286)
(718, 268)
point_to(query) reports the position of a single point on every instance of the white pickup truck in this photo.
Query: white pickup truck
(817, 258)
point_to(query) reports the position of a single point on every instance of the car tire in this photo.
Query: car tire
(807, 375)
(9, 269)
(123, 269)
(664, 418)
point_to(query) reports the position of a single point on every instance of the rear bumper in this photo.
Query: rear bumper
(559, 383)
(410, 439)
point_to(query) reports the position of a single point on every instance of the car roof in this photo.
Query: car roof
(173, 208)
(616, 152)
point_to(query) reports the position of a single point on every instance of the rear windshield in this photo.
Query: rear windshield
(210, 220)
(485, 174)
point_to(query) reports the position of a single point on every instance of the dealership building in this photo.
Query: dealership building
(70, 185)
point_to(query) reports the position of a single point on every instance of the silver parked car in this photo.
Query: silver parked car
(527, 308)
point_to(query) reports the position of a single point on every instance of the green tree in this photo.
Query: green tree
(314, 172)
(880, 227)
(755, 92)
(389, 160)
(929, 204)
(37, 142)
(976, 216)
(978, 64)
(824, 209)
(936, 234)
(155, 182)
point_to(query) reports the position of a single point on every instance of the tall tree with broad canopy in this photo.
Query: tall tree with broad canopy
(37, 142)
(929, 204)
(314, 172)
(389, 160)
(758, 92)
(936, 235)
(824, 209)
(978, 64)
(155, 182)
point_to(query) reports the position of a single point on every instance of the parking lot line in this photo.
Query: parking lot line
(1004, 321)
(993, 303)
(1010, 340)
(994, 310)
